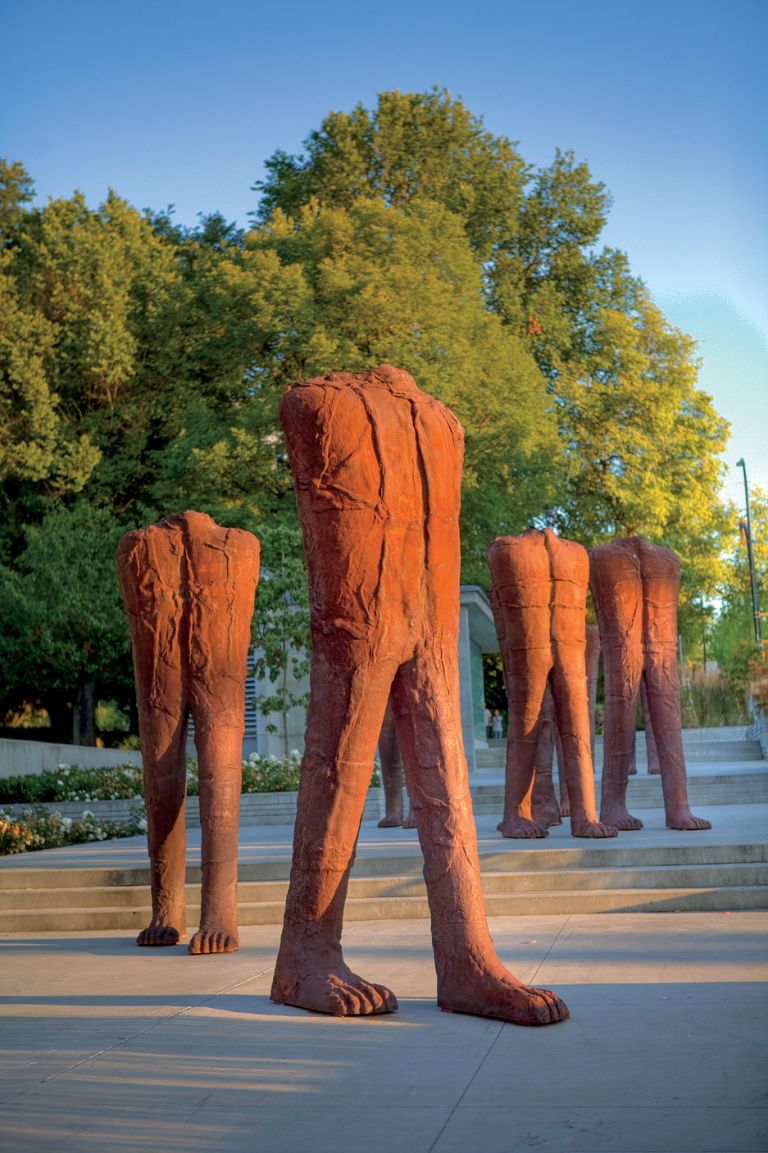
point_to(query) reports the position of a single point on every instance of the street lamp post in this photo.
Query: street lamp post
(751, 555)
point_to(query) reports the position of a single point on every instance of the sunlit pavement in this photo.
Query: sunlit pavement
(104, 1046)
(731, 824)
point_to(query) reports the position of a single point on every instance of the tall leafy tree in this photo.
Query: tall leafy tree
(16, 191)
(640, 440)
(62, 631)
(402, 285)
(732, 642)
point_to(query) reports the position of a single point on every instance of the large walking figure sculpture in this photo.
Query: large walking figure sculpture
(188, 586)
(635, 588)
(539, 600)
(377, 470)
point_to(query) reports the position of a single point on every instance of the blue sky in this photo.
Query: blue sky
(667, 100)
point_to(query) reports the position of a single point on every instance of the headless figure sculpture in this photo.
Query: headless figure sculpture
(377, 470)
(635, 588)
(539, 601)
(391, 761)
(545, 809)
(391, 772)
(188, 587)
(593, 667)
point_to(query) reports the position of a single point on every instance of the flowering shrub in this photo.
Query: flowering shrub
(37, 828)
(271, 774)
(261, 774)
(73, 783)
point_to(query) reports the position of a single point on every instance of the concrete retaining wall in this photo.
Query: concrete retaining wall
(18, 758)
(255, 808)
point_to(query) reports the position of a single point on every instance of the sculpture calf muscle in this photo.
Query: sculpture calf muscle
(377, 470)
(188, 587)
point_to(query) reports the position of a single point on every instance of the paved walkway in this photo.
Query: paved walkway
(731, 824)
(108, 1047)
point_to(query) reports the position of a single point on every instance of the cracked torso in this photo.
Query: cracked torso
(377, 465)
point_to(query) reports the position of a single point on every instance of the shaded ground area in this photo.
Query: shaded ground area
(105, 1046)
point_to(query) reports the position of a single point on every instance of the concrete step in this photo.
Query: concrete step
(539, 880)
(580, 878)
(718, 898)
(644, 792)
(698, 749)
(509, 857)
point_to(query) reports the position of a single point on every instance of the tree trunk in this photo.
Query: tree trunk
(84, 717)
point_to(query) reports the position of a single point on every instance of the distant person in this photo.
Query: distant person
(497, 725)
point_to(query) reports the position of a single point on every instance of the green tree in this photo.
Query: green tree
(16, 190)
(732, 642)
(38, 447)
(376, 283)
(63, 635)
(413, 145)
(129, 373)
(281, 623)
(640, 441)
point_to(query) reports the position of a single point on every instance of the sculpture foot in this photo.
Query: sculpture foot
(621, 820)
(389, 822)
(522, 828)
(410, 823)
(565, 808)
(494, 992)
(592, 829)
(160, 932)
(684, 819)
(338, 991)
(548, 817)
(216, 940)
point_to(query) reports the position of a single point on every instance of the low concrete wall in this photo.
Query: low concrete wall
(255, 808)
(20, 757)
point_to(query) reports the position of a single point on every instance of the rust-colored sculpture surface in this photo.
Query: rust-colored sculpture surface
(635, 588)
(188, 587)
(392, 778)
(545, 809)
(391, 762)
(377, 470)
(539, 600)
(593, 668)
(651, 749)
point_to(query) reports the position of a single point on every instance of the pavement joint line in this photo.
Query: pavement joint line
(555, 939)
(469, 1084)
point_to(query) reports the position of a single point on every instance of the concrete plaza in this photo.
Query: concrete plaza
(105, 1047)
(109, 1047)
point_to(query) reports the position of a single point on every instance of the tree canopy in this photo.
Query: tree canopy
(142, 362)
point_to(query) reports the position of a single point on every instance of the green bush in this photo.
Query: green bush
(261, 774)
(73, 783)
